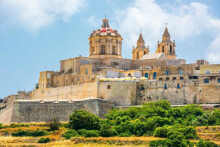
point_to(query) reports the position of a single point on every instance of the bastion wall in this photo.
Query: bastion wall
(45, 111)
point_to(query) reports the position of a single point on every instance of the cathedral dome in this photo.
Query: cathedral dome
(105, 42)
(105, 30)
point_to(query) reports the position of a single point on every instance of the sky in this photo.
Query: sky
(36, 34)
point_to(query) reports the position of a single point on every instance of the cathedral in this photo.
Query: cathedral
(105, 80)
(105, 59)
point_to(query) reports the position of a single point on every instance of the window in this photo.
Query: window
(207, 72)
(146, 75)
(178, 86)
(180, 71)
(171, 49)
(167, 78)
(160, 79)
(102, 50)
(154, 75)
(174, 78)
(167, 72)
(129, 74)
(113, 50)
(109, 87)
(163, 49)
(218, 80)
(165, 86)
(137, 55)
(86, 71)
(181, 78)
(206, 80)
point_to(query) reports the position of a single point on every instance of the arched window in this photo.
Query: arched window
(180, 71)
(178, 86)
(113, 50)
(171, 49)
(218, 80)
(206, 80)
(154, 75)
(146, 75)
(102, 52)
(165, 86)
(207, 72)
(145, 52)
(163, 49)
(167, 72)
(137, 55)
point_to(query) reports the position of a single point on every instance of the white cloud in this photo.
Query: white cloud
(184, 21)
(35, 14)
(214, 51)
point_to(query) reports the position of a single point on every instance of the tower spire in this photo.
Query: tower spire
(166, 34)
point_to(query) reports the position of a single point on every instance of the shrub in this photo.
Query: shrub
(106, 129)
(70, 133)
(171, 143)
(1, 126)
(44, 140)
(88, 133)
(203, 143)
(54, 125)
(161, 132)
(81, 119)
(138, 127)
(30, 133)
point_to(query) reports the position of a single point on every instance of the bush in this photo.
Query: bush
(70, 133)
(88, 133)
(44, 140)
(106, 129)
(161, 132)
(81, 119)
(171, 143)
(203, 143)
(54, 125)
(35, 133)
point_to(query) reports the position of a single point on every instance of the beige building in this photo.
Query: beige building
(147, 76)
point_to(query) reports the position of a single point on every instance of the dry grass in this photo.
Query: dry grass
(208, 133)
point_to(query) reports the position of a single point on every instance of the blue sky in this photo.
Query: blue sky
(36, 34)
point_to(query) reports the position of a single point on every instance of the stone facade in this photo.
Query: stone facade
(45, 111)
(117, 81)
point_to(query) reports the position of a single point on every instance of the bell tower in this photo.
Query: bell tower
(140, 50)
(166, 46)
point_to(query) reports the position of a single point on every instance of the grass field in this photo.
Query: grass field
(209, 133)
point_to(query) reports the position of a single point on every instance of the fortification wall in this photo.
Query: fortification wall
(68, 92)
(44, 111)
(118, 92)
(178, 92)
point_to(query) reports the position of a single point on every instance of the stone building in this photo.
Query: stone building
(105, 79)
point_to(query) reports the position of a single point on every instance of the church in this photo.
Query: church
(105, 60)
(105, 80)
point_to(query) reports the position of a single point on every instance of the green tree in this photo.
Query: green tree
(81, 119)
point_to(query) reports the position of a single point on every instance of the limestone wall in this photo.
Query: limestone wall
(44, 111)
(177, 92)
(118, 92)
(69, 92)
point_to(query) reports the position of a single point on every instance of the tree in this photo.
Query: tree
(81, 119)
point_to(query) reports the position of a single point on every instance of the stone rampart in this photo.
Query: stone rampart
(80, 91)
(44, 111)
